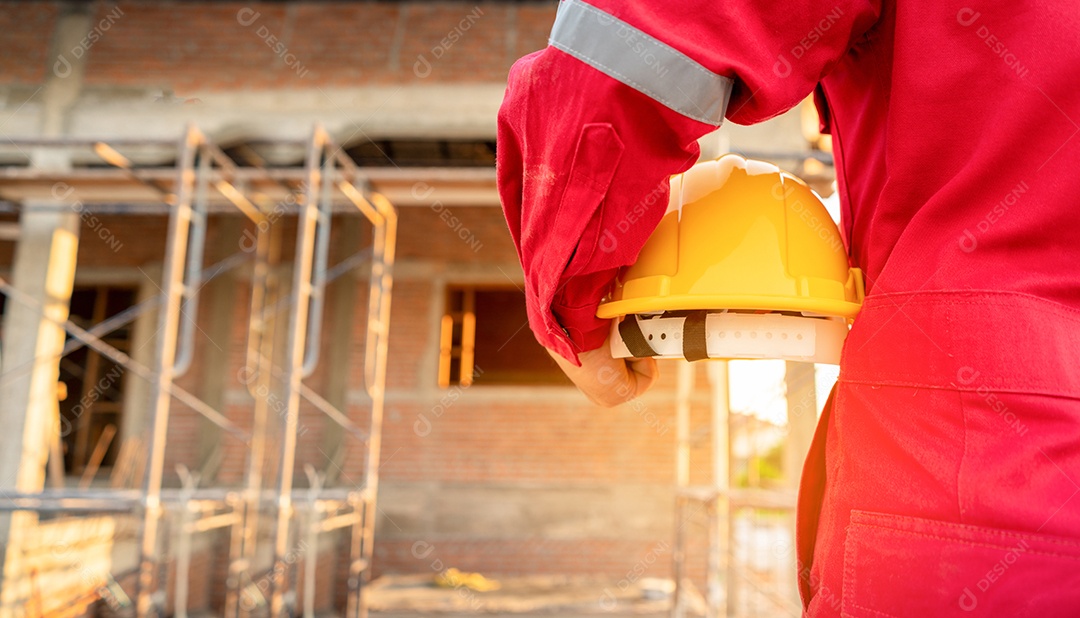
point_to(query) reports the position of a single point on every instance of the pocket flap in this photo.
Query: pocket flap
(598, 152)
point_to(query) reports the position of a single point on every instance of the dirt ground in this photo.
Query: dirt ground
(398, 596)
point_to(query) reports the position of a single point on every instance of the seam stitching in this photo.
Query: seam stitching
(968, 527)
(970, 543)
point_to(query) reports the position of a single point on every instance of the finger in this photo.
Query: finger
(646, 367)
(643, 373)
(634, 378)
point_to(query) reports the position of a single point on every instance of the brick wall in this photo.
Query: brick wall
(191, 47)
(24, 48)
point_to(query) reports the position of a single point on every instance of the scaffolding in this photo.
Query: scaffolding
(203, 169)
(726, 579)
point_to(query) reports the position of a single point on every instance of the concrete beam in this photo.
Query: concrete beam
(350, 114)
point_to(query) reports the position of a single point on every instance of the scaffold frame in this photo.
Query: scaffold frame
(203, 169)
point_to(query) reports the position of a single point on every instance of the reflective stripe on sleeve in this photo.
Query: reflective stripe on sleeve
(640, 61)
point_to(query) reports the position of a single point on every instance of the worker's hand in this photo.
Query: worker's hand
(608, 381)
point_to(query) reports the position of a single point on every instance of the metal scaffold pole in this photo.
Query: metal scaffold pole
(165, 354)
(294, 362)
(375, 377)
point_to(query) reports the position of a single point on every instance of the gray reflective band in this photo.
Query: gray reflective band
(640, 61)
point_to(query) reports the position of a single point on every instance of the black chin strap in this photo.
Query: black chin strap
(634, 339)
(694, 346)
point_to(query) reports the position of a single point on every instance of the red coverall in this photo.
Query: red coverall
(944, 475)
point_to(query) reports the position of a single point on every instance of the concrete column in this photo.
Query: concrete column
(63, 83)
(44, 270)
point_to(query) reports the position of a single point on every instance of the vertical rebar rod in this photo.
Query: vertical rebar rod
(297, 331)
(168, 321)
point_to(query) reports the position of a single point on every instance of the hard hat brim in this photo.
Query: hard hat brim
(817, 306)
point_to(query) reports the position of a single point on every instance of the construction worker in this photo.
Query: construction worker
(945, 473)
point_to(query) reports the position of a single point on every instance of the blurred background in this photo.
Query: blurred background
(265, 350)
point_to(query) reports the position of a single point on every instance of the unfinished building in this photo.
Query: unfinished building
(263, 334)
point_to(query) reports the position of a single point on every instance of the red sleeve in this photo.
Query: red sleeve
(592, 127)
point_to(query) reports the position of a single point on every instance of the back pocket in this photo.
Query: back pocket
(907, 566)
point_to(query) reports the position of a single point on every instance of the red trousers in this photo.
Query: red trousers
(943, 477)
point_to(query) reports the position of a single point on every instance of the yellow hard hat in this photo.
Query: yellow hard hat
(747, 263)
